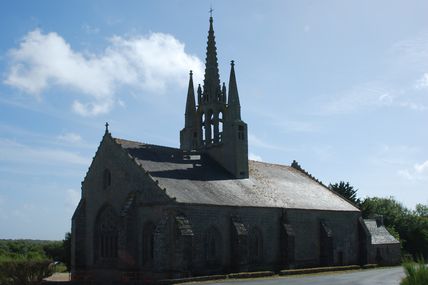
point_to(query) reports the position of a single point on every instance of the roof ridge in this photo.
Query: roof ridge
(146, 144)
(269, 163)
(297, 166)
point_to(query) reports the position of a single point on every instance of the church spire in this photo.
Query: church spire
(233, 102)
(212, 78)
(190, 104)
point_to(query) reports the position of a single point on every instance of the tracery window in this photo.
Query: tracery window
(107, 233)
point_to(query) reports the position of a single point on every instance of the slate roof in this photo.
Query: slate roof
(379, 235)
(197, 179)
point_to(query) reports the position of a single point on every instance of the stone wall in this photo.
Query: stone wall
(235, 223)
(126, 178)
(307, 227)
(192, 239)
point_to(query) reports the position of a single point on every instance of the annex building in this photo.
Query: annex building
(154, 212)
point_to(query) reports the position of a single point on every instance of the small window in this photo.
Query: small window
(106, 178)
(241, 135)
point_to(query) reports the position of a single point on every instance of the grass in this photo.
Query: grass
(60, 268)
(416, 272)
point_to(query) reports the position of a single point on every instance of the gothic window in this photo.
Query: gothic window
(106, 178)
(241, 134)
(148, 243)
(106, 235)
(256, 246)
(210, 127)
(203, 127)
(220, 125)
(212, 246)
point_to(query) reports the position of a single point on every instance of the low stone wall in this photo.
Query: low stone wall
(318, 270)
(240, 275)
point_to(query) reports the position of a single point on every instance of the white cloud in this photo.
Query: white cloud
(70, 138)
(405, 174)
(370, 95)
(411, 52)
(255, 141)
(417, 172)
(422, 83)
(256, 157)
(90, 29)
(422, 168)
(143, 62)
(397, 155)
(15, 152)
(92, 108)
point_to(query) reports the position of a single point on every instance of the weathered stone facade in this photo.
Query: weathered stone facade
(150, 212)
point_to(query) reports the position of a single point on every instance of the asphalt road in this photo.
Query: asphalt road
(385, 276)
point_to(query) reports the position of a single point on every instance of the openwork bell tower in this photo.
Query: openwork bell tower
(214, 126)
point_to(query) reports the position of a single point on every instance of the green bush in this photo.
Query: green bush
(416, 273)
(22, 271)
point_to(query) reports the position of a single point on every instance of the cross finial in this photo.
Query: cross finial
(106, 127)
(211, 10)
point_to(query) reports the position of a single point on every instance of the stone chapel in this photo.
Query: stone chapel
(152, 212)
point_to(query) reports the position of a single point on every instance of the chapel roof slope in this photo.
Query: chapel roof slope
(379, 234)
(195, 179)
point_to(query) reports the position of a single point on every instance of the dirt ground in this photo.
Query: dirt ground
(59, 277)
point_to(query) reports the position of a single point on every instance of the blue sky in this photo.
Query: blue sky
(339, 86)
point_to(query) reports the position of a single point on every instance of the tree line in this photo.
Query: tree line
(27, 262)
(410, 227)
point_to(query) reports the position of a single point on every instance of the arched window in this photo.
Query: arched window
(256, 246)
(203, 127)
(212, 246)
(212, 127)
(106, 235)
(220, 126)
(208, 130)
(106, 178)
(148, 243)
